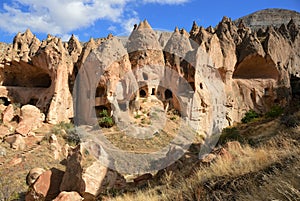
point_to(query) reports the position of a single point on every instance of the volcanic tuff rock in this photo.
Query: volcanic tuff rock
(88, 176)
(231, 68)
(269, 17)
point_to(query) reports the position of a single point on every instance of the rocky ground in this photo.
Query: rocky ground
(259, 156)
(226, 74)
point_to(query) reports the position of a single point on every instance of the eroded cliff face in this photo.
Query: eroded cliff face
(209, 75)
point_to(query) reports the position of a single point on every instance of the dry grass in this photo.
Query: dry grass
(223, 178)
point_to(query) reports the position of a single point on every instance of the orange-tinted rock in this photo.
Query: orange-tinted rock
(68, 196)
(31, 118)
(224, 154)
(209, 158)
(46, 186)
(4, 130)
(88, 179)
(33, 174)
(8, 114)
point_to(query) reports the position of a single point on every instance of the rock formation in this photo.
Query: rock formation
(269, 17)
(230, 69)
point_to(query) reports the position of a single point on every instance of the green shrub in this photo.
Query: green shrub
(70, 134)
(230, 134)
(275, 111)
(105, 120)
(250, 116)
(137, 116)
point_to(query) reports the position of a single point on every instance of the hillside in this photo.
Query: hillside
(267, 17)
(205, 114)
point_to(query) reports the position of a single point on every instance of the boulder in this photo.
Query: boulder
(8, 114)
(33, 174)
(68, 196)
(31, 119)
(4, 131)
(88, 176)
(55, 146)
(46, 187)
(16, 141)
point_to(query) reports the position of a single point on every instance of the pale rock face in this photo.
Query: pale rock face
(31, 119)
(105, 73)
(86, 175)
(252, 66)
(55, 147)
(144, 50)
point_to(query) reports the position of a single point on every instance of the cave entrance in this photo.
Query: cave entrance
(30, 81)
(256, 67)
(4, 101)
(153, 91)
(143, 93)
(100, 91)
(295, 85)
(168, 94)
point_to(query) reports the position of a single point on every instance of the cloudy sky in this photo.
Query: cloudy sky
(97, 18)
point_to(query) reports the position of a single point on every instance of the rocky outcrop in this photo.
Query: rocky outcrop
(88, 176)
(46, 186)
(251, 68)
(269, 17)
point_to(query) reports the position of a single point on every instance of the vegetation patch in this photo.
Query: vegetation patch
(250, 116)
(105, 121)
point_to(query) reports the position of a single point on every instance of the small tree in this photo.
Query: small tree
(250, 116)
(105, 120)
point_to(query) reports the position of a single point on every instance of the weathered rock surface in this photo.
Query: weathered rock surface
(87, 176)
(251, 69)
(268, 17)
(31, 119)
(16, 141)
(68, 196)
(46, 187)
(33, 174)
(55, 147)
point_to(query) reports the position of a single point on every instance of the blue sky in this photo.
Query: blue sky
(98, 18)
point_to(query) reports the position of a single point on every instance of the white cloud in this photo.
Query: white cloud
(129, 24)
(166, 1)
(60, 17)
(112, 28)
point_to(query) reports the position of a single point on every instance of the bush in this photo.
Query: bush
(275, 111)
(290, 121)
(230, 134)
(250, 116)
(69, 135)
(105, 120)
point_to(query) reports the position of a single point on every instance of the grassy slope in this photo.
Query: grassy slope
(267, 170)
